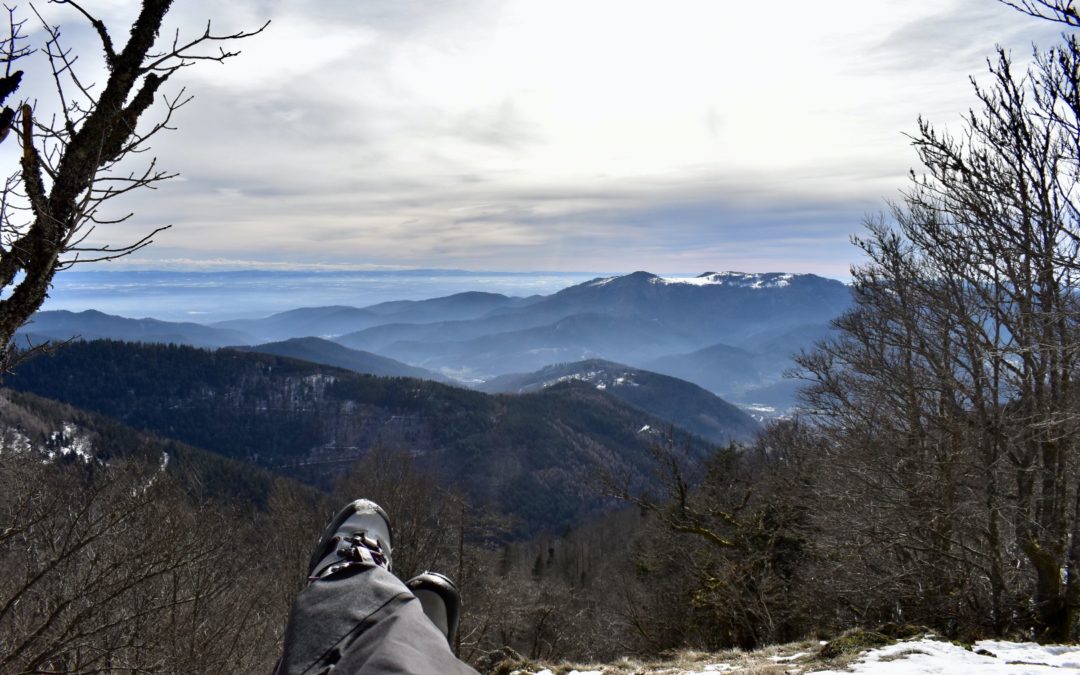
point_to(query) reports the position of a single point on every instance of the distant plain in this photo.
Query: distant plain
(206, 297)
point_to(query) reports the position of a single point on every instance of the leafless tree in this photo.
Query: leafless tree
(115, 570)
(79, 160)
(736, 536)
(425, 514)
(949, 395)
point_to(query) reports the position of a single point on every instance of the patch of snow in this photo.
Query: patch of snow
(732, 279)
(759, 407)
(601, 386)
(925, 656)
(16, 441)
(932, 656)
(71, 442)
(601, 282)
(689, 281)
(791, 657)
(762, 412)
(1058, 656)
(582, 377)
(644, 429)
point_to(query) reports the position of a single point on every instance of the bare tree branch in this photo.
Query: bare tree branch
(71, 164)
(1058, 11)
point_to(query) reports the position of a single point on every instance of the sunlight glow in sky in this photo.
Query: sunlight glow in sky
(667, 135)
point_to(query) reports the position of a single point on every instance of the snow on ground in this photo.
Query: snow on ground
(931, 656)
(11, 439)
(71, 441)
(924, 656)
(592, 376)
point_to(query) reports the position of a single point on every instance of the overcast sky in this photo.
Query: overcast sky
(587, 135)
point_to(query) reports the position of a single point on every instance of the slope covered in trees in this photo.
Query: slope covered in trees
(535, 456)
(318, 350)
(123, 548)
(683, 404)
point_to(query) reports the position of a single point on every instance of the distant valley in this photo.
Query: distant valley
(327, 353)
(730, 333)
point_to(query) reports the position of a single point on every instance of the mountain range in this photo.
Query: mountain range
(339, 320)
(567, 387)
(62, 325)
(731, 333)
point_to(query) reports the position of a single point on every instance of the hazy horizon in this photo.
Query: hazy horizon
(207, 296)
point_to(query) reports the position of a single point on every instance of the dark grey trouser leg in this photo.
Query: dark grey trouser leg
(364, 621)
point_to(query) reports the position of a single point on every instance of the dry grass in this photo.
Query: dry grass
(797, 658)
(787, 659)
(901, 655)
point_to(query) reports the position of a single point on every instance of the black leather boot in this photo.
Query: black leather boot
(359, 535)
(440, 599)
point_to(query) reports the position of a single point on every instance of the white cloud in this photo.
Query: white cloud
(502, 133)
(290, 49)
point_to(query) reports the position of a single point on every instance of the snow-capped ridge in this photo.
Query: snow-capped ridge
(730, 279)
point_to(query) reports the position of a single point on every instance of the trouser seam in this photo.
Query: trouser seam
(361, 624)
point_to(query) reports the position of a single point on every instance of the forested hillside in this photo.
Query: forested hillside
(318, 350)
(196, 558)
(684, 404)
(538, 457)
(121, 547)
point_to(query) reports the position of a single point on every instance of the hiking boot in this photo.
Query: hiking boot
(358, 536)
(440, 599)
